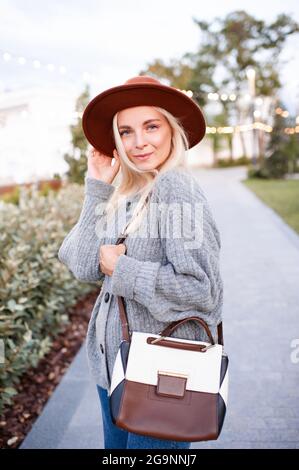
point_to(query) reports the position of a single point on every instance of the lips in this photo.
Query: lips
(145, 155)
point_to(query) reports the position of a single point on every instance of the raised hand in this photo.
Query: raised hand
(100, 165)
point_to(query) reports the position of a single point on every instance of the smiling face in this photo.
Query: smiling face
(144, 130)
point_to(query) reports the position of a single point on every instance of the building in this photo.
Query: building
(34, 132)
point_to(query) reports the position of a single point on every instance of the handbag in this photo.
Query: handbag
(169, 388)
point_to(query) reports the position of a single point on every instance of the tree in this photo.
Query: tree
(282, 150)
(77, 159)
(227, 48)
(185, 73)
(240, 41)
(292, 153)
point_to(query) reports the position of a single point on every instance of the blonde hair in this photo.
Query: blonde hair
(132, 179)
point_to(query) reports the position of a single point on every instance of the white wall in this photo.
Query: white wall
(34, 132)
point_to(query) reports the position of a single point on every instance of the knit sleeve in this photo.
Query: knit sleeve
(80, 248)
(190, 280)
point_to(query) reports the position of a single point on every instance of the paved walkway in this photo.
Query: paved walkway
(260, 268)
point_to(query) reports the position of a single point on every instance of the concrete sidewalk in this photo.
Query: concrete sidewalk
(260, 268)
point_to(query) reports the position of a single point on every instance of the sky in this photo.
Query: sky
(115, 39)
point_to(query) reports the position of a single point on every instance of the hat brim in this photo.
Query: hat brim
(98, 115)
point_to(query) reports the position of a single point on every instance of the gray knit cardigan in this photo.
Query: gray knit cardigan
(170, 270)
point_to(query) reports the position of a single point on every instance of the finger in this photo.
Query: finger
(115, 154)
(123, 248)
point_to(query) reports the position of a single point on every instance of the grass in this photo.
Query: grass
(281, 195)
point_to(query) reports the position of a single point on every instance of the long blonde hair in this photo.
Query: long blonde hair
(131, 179)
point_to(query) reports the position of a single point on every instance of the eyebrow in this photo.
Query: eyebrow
(145, 122)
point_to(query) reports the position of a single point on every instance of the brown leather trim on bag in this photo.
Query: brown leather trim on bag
(123, 319)
(220, 333)
(191, 418)
(176, 344)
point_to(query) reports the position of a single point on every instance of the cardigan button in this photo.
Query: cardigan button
(102, 348)
(107, 296)
(128, 205)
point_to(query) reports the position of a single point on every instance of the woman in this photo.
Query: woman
(163, 273)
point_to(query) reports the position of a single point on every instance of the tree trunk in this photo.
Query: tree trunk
(244, 151)
(261, 142)
(215, 158)
(230, 146)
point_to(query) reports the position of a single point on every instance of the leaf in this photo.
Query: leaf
(10, 391)
(12, 441)
(11, 305)
(28, 336)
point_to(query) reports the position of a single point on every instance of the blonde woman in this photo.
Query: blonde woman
(168, 267)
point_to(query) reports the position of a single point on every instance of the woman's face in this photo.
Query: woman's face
(144, 130)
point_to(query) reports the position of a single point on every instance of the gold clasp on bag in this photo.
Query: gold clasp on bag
(173, 374)
(171, 384)
(158, 339)
(208, 347)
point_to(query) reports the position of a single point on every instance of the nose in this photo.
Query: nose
(140, 140)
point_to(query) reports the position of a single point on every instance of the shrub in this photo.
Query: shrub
(35, 287)
(224, 163)
(274, 167)
(12, 193)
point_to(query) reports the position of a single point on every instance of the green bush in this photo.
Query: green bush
(12, 197)
(274, 167)
(224, 163)
(257, 172)
(36, 289)
(277, 165)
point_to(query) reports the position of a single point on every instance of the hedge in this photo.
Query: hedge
(36, 289)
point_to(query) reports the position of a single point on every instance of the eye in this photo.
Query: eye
(122, 133)
(148, 127)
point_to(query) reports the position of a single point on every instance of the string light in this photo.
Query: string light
(240, 128)
(213, 96)
(39, 65)
(283, 112)
(292, 130)
(87, 76)
(6, 56)
(24, 114)
(62, 69)
(249, 127)
(222, 97)
(36, 64)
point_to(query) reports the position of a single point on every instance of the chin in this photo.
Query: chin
(147, 166)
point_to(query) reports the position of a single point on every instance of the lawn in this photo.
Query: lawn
(280, 195)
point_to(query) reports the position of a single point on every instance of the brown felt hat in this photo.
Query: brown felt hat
(139, 91)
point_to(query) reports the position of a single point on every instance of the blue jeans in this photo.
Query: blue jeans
(116, 438)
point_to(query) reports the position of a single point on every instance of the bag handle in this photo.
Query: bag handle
(173, 326)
